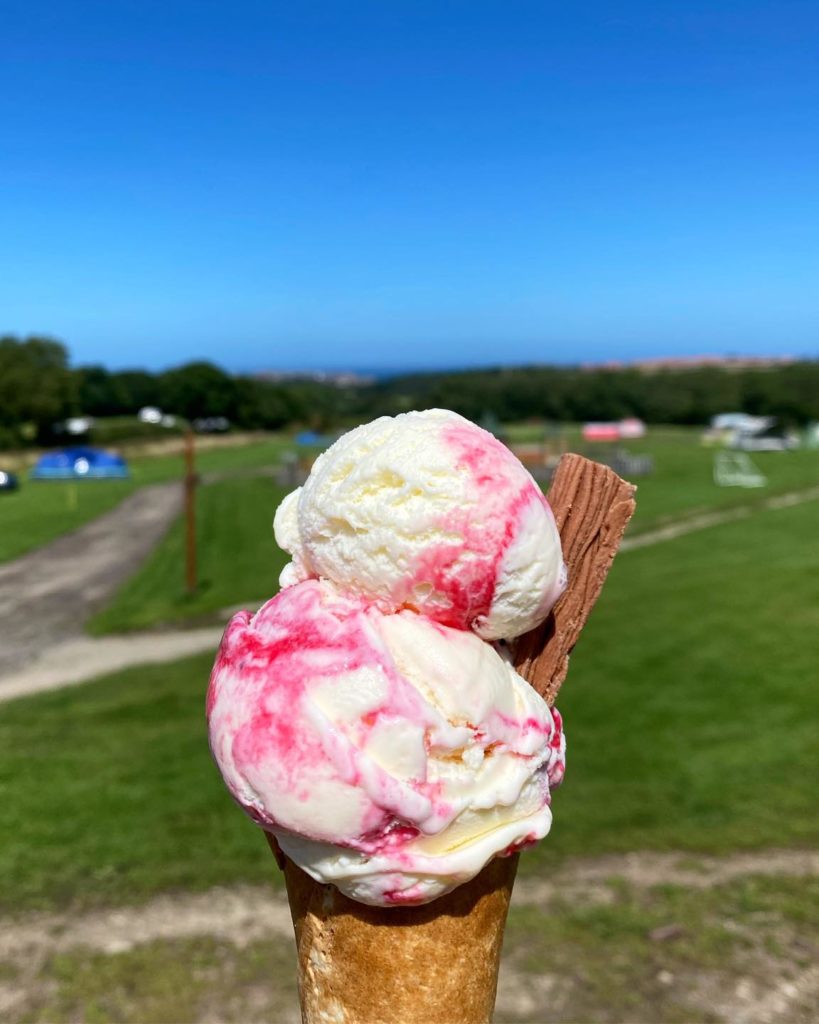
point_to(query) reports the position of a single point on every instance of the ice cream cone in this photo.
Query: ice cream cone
(438, 963)
(433, 964)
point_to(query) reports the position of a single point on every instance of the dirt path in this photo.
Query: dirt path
(47, 595)
(246, 913)
(743, 988)
(84, 658)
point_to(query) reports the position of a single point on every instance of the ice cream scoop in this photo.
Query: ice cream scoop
(390, 754)
(429, 512)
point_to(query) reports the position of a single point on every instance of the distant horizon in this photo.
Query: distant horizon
(455, 353)
(386, 370)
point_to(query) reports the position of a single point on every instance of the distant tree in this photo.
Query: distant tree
(198, 389)
(37, 389)
(100, 392)
(138, 388)
(263, 405)
(685, 396)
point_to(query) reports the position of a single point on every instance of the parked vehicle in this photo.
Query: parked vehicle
(8, 481)
(771, 439)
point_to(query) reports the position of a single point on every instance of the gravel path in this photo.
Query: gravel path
(84, 658)
(47, 595)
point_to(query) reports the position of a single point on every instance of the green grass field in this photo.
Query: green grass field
(690, 711)
(241, 563)
(238, 561)
(43, 510)
(582, 960)
(682, 484)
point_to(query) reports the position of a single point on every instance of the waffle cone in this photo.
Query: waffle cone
(433, 964)
(438, 964)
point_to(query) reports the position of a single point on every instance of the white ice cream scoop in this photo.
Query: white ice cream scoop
(429, 512)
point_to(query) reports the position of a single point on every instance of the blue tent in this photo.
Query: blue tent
(81, 463)
(311, 439)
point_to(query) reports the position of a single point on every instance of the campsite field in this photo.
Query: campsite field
(241, 563)
(43, 510)
(672, 887)
(681, 484)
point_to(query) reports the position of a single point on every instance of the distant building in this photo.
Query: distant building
(716, 362)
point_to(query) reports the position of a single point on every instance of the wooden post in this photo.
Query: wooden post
(190, 512)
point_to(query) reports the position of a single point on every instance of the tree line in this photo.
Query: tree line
(789, 392)
(39, 389)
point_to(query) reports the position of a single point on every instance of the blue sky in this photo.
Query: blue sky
(390, 184)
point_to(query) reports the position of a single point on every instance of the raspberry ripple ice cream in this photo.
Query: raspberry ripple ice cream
(361, 715)
(427, 511)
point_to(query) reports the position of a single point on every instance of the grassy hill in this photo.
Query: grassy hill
(690, 711)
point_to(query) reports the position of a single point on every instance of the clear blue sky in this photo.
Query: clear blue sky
(409, 183)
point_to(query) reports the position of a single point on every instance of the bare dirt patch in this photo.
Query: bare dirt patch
(590, 880)
(47, 595)
(246, 913)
